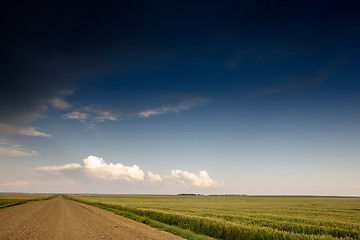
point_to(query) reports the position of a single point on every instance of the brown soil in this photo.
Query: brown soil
(65, 219)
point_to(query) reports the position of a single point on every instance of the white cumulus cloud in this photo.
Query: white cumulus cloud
(154, 177)
(97, 167)
(188, 178)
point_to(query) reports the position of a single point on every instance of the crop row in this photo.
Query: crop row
(285, 223)
(293, 221)
(283, 226)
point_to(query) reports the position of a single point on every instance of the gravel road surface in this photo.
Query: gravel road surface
(65, 219)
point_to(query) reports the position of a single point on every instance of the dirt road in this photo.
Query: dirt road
(65, 219)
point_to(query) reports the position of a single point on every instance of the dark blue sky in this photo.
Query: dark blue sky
(262, 95)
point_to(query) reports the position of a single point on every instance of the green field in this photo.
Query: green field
(11, 199)
(240, 217)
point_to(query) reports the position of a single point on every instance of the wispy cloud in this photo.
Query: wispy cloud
(185, 103)
(70, 166)
(60, 103)
(21, 130)
(76, 116)
(90, 116)
(101, 115)
(14, 150)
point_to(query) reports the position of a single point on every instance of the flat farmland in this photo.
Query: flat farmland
(240, 217)
(10, 199)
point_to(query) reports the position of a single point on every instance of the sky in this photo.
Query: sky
(168, 97)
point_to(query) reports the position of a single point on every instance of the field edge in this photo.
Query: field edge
(20, 201)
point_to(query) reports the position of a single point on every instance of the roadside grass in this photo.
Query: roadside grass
(239, 217)
(12, 199)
